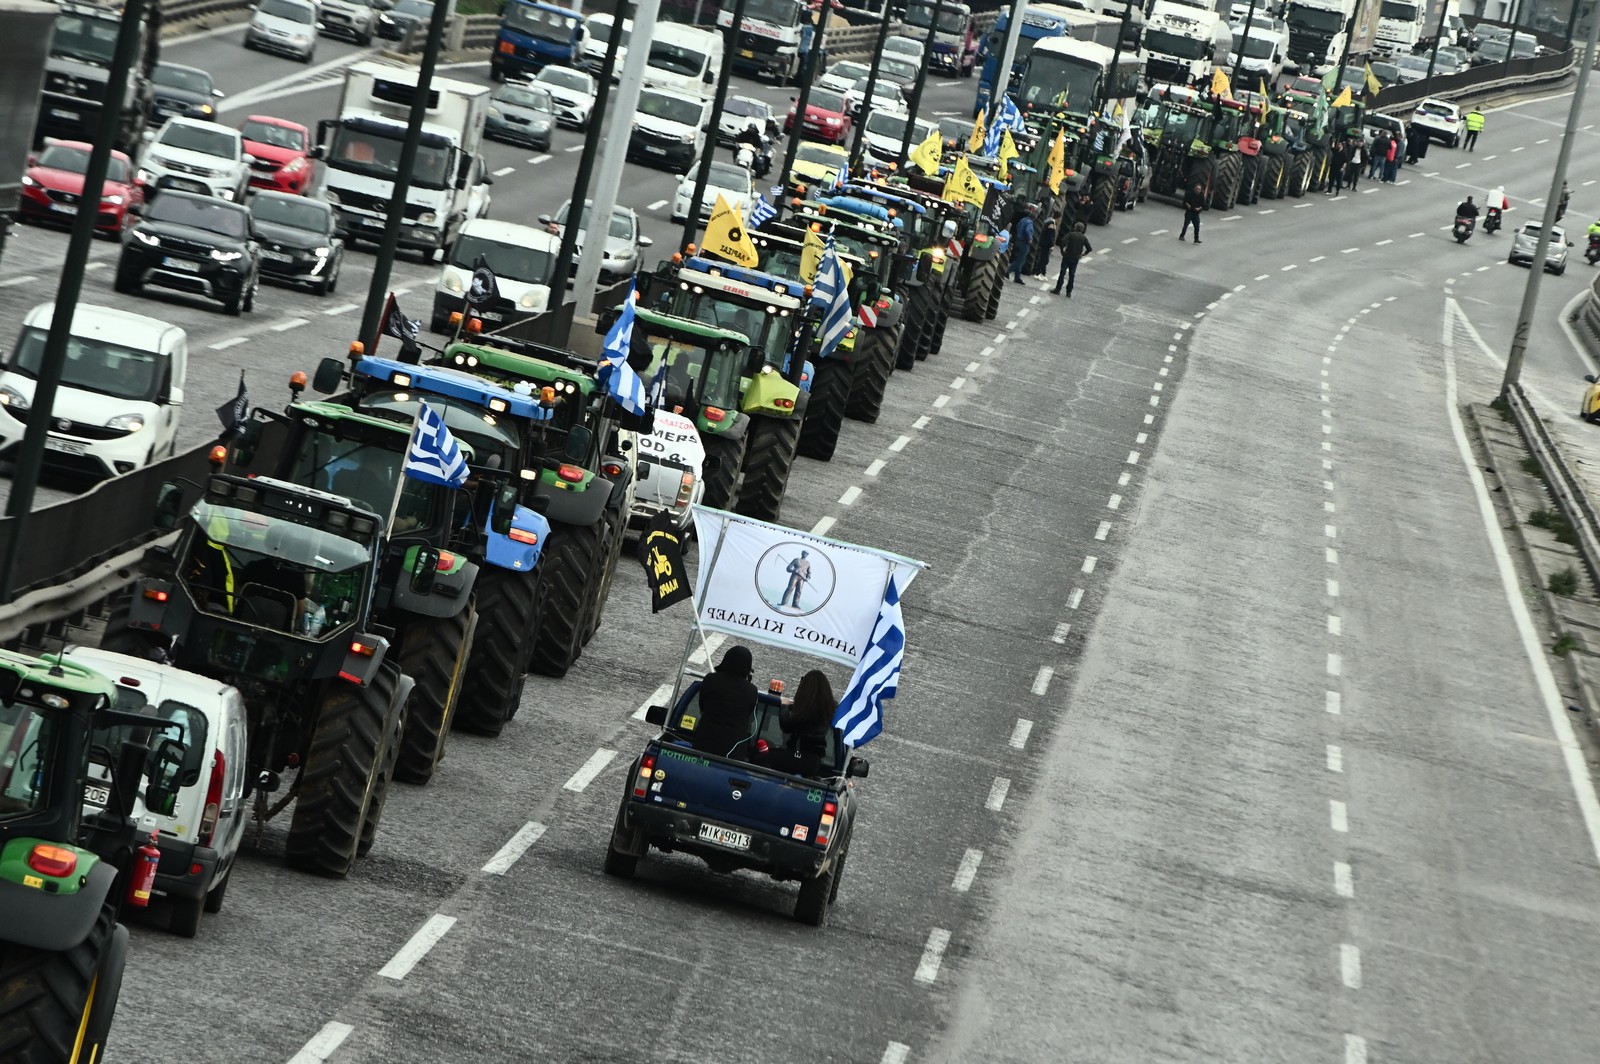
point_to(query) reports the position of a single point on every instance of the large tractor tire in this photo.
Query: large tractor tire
(1225, 185)
(434, 653)
(573, 562)
(768, 458)
(1299, 180)
(49, 999)
(830, 397)
(916, 325)
(1274, 175)
(616, 532)
(380, 789)
(998, 287)
(508, 618)
(724, 462)
(937, 343)
(976, 306)
(342, 769)
(1249, 180)
(1102, 202)
(875, 363)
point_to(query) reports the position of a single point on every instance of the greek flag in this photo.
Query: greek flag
(877, 675)
(621, 381)
(831, 293)
(761, 209)
(433, 455)
(1008, 117)
(841, 177)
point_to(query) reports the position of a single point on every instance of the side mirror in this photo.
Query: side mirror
(161, 793)
(858, 766)
(545, 219)
(248, 159)
(949, 230)
(505, 508)
(1590, 377)
(330, 374)
(218, 94)
(169, 505)
(656, 715)
(645, 241)
(425, 570)
(579, 439)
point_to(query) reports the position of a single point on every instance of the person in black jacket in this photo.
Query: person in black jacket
(1074, 246)
(1194, 201)
(727, 705)
(806, 724)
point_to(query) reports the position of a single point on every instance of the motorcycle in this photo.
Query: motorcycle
(1463, 229)
(758, 163)
(1592, 252)
(1491, 220)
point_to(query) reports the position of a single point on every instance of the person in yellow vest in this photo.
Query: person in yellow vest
(1474, 127)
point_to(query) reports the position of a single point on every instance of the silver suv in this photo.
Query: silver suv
(352, 20)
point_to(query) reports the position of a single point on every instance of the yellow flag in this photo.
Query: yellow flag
(1116, 112)
(975, 142)
(726, 236)
(1373, 85)
(1058, 161)
(1344, 99)
(811, 256)
(926, 154)
(1266, 101)
(1220, 84)
(1008, 151)
(963, 185)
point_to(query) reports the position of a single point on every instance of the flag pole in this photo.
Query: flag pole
(705, 582)
(400, 482)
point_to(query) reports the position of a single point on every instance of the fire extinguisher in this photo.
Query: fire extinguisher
(146, 858)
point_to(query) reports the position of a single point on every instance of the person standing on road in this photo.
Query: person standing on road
(1046, 245)
(1022, 244)
(1474, 123)
(1358, 158)
(1338, 161)
(1380, 152)
(1074, 246)
(1194, 201)
(1391, 161)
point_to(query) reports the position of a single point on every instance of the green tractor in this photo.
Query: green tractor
(980, 240)
(1180, 135)
(65, 873)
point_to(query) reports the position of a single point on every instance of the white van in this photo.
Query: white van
(668, 477)
(683, 58)
(200, 838)
(597, 37)
(120, 396)
(521, 258)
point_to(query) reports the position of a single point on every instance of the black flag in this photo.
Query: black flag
(402, 328)
(235, 411)
(663, 563)
(484, 288)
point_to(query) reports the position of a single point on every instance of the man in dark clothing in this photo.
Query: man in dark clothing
(1194, 201)
(1466, 209)
(1074, 246)
(1336, 167)
(1022, 245)
(727, 705)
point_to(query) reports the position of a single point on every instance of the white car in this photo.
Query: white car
(597, 38)
(907, 48)
(886, 96)
(668, 477)
(199, 836)
(206, 152)
(120, 395)
(840, 77)
(1440, 120)
(573, 93)
(885, 133)
(624, 242)
(288, 27)
(521, 258)
(728, 180)
(741, 112)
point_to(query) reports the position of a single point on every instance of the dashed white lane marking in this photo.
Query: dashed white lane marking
(1349, 251)
(657, 205)
(1144, 437)
(1355, 1049)
(997, 793)
(323, 1043)
(589, 770)
(1160, 232)
(1335, 759)
(504, 170)
(875, 468)
(292, 323)
(1331, 531)
(1155, 400)
(1075, 599)
(1020, 733)
(1088, 563)
(1297, 206)
(342, 308)
(1414, 236)
(941, 401)
(967, 871)
(1122, 480)
(1522, 148)
(972, 367)
(1011, 325)
(1333, 702)
(1319, 258)
(1462, 166)
(1333, 589)
(1233, 217)
(1131, 240)
(1546, 140)
(896, 1053)
(1268, 210)
(1368, 191)
(1381, 243)
(1114, 503)
(537, 159)
(232, 341)
(959, 383)
(12, 282)
(411, 954)
(1103, 531)
(97, 265)
(659, 695)
(1034, 300)
(932, 956)
(899, 443)
(1338, 816)
(579, 147)
(515, 847)
(1062, 631)
(822, 526)
(851, 494)
(1133, 457)
(1350, 965)
(1335, 664)
(1343, 881)
(921, 422)
(1263, 276)
(986, 352)
(1335, 626)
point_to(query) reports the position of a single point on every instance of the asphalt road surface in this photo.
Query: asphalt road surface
(1218, 737)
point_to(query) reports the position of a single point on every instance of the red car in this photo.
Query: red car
(52, 187)
(826, 117)
(281, 150)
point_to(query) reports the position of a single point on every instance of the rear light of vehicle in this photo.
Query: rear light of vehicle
(364, 649)
(570, 473)
(611, 469)
(641, 786)
(715, 413)
(685, 488)
(825, 825)
(783, 404)
(56, 861)
(447, 561)
(155, 594)
(208, 819)
(522, 535)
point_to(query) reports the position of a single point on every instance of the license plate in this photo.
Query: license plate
(655, 151)
(276, 256)
(182, 264)
(51, 443)
(64, 208)
(747, 53)
(96, 794)
(733, 840)
(56, 112)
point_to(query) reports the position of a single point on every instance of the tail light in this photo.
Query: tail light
(522, 535)
(825, 825)
(783, 404)
(570, 473)
(685, 488)
(715, 413)
(208, 819)
(55, 861)
(641, 786)
(447, 561)
(365, 650)
(155, 594)
(611, 469)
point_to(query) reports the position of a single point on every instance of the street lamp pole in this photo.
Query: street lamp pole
(872, 84)
(922, 79)
(562, 269)
(702, 176)
(1244, 42)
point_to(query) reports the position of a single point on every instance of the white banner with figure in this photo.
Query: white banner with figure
(774, 585)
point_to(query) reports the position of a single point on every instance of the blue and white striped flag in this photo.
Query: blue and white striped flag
(877, 675)
(841, 177)
(621, 381)
(761, 209)
(434, 456)
(1008, 117)
(831, 292)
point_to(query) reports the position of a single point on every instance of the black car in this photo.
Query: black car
(198, 244)
(392, 24)
(182, 92)
(300, 240)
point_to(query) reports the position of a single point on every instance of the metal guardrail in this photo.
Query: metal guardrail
(174, 13)
(1482, 81)
(1565, 487)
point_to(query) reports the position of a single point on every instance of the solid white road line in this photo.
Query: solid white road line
(1350, 965)
(932, 956)
(896, 1053)
(851, 494)
(822, 526)
(591, 768)
(997, 793)
(1041, 682)
(411, 954)
(967, 871)
(1338, 816)
(656, 697)
(515, 847)
(323, 1043)
(1020, 733)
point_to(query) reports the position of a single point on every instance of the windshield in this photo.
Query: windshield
(850, 71)
(822, 100)
(26, 736)
(214, 216)
(94, 365)
(540, 24)
(778, 12)
(414, 8)
(896, 71)
(1168, 43)
(670, 108)
(676, 58)
(903, 46)
(1060, 81)
(710, 381)
(1254, 47)
(369, 152)
(883, 90)
(819, 154)
(567, 79)
(769, 331)
(512, 261)
(600, 30)
(949, 21)
(222, 143)
(92, 40)
(304, 14)
(185, 78)
(365, 474)
(532, 99)
(295, 212)
(1319, 19)
(887, 124)
(274, 135)
(621, 222)
(738, 105)
(76, 161)
(728, 175)
(1399, 9)
(494, 441)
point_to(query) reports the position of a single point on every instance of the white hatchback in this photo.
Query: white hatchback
(1440, 120)
(728, 180)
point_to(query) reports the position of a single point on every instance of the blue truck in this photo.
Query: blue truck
(533, 36)
(740, 808)
(1039, 21)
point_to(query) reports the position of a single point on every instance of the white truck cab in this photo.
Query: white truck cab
(521, 258)
(683, 58)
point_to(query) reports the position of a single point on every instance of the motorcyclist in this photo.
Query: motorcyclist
(1467, 209)
(1594, 228)
(749, 138)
